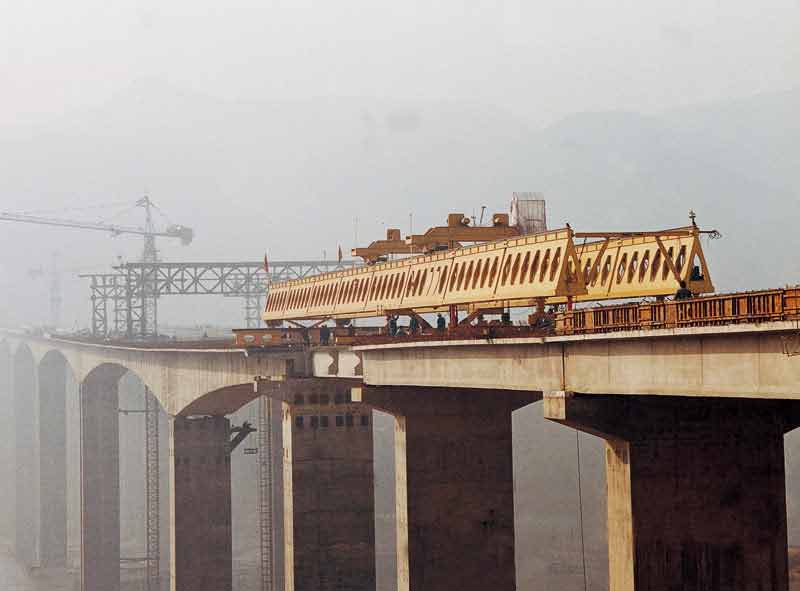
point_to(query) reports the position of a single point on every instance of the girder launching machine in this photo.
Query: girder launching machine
(554, 267)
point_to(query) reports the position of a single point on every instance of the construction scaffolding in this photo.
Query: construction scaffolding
(266, 501)
(152, 555)
(153, 489)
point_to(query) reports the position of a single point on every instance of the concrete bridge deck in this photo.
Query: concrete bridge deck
(740, 360)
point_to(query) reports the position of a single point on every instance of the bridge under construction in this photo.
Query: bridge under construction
(692, 396)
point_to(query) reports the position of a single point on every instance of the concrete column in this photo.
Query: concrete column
(696, 489)
(7, 445)
(100, 506)
(26, 511)
(53, 462)
(328, 501)
(454, 457)
(333, 500)
(202, 504)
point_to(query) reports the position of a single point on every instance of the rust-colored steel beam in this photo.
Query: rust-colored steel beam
(457, 230)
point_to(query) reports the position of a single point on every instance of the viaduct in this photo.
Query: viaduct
(693, 420)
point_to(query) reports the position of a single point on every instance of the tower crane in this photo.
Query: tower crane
(185, 234)
(149, 252)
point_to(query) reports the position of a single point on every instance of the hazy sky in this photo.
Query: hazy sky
(540, 60)
(271, 126)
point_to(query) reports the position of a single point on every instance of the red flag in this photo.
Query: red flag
(266, 263)
(340, 253)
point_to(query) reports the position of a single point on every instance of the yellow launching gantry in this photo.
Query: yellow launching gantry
(559, 266)
(449, 237)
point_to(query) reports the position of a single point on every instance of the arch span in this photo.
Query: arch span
(102, 405)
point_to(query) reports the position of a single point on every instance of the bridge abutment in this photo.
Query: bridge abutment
(696, 488)
(455, 490)
(100, 500)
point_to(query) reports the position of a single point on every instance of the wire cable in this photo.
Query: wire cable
(580, 509)
(81, 208)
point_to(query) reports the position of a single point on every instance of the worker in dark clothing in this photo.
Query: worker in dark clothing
(392, 325)
(413, 325)
(324, 335)
(440, 322)
(683, 292)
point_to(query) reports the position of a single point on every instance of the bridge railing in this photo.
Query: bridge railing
(749, 307)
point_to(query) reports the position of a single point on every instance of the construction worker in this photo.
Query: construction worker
(413, 325)
(683, 292)
(441, 323)
(324, 334)
(392, 325)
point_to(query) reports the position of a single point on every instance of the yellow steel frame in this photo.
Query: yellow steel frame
(512, 272)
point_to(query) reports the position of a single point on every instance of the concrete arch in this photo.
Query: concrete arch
(177, 377)
(101, 496)
(222, 401)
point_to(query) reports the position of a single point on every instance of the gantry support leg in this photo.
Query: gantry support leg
(696, 489)
(455, 493)
(100, 504)
(53, 463)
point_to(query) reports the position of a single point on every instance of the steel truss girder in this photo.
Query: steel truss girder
(130, 293)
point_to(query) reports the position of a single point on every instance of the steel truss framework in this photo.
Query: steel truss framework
(119, 299)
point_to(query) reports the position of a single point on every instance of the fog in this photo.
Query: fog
(294, 128)
(273, 126)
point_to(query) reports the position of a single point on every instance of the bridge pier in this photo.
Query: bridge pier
(455, 490)
(7, 443)
(26, 507)
(328, 485)
(100, 500)
(53, 462)
(696, 488)
(333, 494)
(201, 509)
